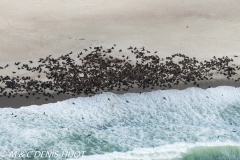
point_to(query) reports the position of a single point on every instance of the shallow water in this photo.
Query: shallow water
(217, 152)
(156, 125)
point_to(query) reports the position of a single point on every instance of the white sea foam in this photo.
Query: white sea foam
(169, 151)
(108, 123)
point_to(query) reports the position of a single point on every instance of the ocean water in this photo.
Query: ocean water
(170, 124)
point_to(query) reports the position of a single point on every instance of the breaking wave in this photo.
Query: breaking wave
(170, 124)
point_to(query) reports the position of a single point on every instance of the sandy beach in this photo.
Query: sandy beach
(32, 30)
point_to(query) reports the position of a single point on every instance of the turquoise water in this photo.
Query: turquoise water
(212, 153)
(169, 124)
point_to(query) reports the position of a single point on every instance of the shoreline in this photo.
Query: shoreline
(95, 70)
(119, 78)
(58, 32)
(19, 102)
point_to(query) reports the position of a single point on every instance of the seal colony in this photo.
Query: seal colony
(97, 70)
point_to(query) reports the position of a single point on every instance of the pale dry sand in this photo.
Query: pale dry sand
(30, 29)
(33, 29)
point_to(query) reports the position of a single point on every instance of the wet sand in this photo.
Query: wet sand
(18, 101)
